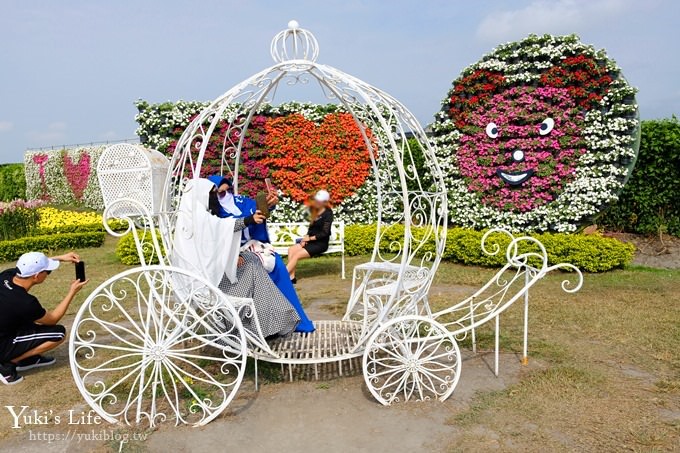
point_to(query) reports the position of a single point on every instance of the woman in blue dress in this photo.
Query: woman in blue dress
(239, 206)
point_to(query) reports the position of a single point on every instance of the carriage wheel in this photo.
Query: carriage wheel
(411, 358)
(156, 343)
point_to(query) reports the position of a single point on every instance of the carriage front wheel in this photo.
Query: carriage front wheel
(157, 343)
(411, 358)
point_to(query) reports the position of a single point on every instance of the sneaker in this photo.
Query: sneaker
(35, 362)
(9, 375)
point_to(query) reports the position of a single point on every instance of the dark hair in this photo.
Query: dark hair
(213, 203)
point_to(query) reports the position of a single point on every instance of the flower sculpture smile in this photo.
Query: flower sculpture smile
(540, 134)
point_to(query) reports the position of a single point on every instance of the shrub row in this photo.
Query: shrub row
(590, 253)
(11, 250)
(12, 182)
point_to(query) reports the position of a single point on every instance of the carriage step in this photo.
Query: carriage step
(332, 341)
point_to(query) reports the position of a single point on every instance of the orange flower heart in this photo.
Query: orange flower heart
(304, 157)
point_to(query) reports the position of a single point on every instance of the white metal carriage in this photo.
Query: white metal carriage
(158, 342)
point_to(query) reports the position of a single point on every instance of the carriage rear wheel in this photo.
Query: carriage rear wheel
(411, 358)
(157, 343)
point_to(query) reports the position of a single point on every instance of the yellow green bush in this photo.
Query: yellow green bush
(126, 250)
(590, 253)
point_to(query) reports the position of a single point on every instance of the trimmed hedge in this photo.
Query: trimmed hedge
(650, 202)
(126, 250)
(98, 227)
(12, 182)
(590, 253)
(11, 250)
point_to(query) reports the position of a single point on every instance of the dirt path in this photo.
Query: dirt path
(336, 416)
(653, 251)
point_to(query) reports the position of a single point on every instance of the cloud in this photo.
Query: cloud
(6, 126)
(55, 132)
(545, 16)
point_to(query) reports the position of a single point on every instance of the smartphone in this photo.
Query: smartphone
(268, 183)
(262, 205)
(80, 271)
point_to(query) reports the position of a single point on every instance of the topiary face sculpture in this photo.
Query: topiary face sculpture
(539, 135)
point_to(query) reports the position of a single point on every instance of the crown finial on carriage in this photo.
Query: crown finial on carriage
(294, 43)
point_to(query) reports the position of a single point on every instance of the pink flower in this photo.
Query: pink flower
(503, 140)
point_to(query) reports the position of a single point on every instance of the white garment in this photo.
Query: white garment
(204, 243)
(264, 252)
(228, 204)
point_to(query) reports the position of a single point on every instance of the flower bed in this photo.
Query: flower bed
(31, 226)
(18, 219)
(64, 177)
(540, 134)
(54, 220)
(303, 147)
(126, 249)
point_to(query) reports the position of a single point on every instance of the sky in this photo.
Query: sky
(70, 70)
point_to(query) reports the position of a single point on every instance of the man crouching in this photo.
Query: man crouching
(27, 330)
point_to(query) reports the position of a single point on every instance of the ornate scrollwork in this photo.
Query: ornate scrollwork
(527, 262)
(140, 223)
(411, 358)
(143, 351)
(159, 343)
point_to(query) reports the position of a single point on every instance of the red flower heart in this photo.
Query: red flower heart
(77, 173)
(304, 157)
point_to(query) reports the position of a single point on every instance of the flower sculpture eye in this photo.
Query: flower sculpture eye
(492, 130)
(546, 126)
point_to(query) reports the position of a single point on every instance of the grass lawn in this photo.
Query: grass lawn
(610, 379)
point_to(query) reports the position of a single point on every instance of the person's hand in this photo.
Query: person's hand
(306, 239)
(258, 217)
(70, 257)
(241, 261)
(303, 243)
(272, 199)
(77, 285)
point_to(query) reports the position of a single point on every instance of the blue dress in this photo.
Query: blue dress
(279, 274)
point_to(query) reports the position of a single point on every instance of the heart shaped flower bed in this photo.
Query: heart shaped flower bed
(304, 157)
(300, 155)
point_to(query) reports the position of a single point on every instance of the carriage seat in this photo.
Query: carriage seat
(283, 235)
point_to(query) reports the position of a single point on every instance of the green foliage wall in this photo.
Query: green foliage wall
(12, 182)
(650, 202)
